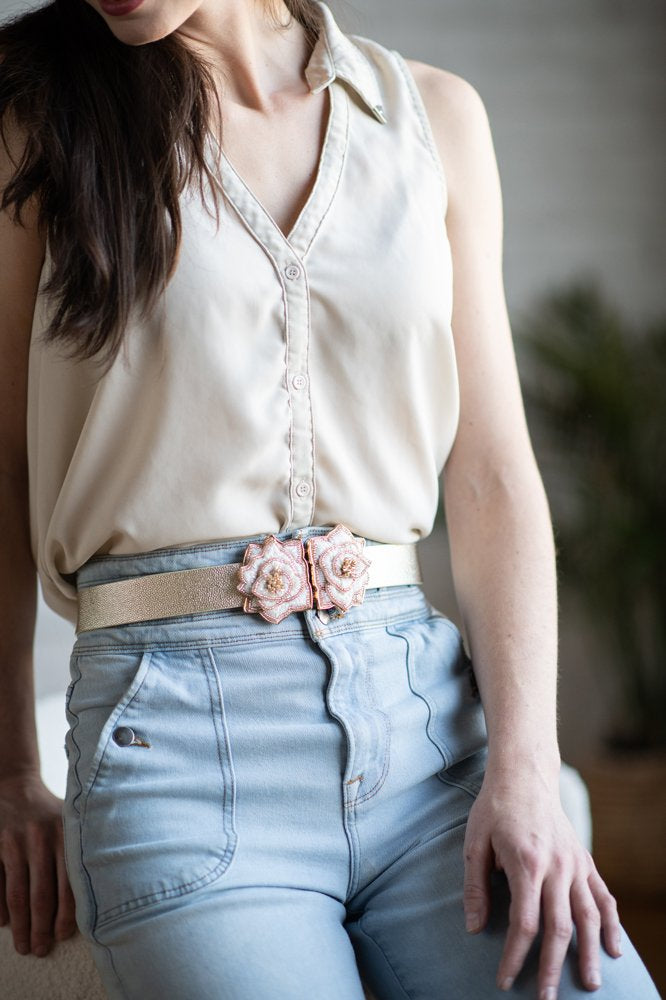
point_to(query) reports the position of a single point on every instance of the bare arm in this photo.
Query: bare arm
(502, 550)
(503, 562)
(21, 252)
(33, 886)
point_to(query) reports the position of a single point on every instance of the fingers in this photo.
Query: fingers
(607, 907)
(34, 887)
(476, 891)
(588, 921)
(525, 888)
(558, 928)
(17, 892)
(41, 868)
(564, 898)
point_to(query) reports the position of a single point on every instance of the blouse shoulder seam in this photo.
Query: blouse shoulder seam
(426, 127)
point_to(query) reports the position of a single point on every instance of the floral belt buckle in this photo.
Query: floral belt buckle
(327, 571)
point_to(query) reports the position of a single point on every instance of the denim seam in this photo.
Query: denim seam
(439, 744)
(469, 788)
(140, 902)
(109, 952)
(387, 732)
(385, 765)
(415, 845)
(379, 948)
(225, 763)
(109, 647)
(92, 900)
(407, 618)
(186, 644)
(74, 764)
(228, 830)
(119, 708)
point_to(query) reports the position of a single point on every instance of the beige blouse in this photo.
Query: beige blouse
(281, 382)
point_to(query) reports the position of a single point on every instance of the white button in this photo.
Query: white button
(324, 617)
(303, 489)
(299, 381)
(292, 271)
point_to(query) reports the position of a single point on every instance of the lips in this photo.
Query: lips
(119, 8)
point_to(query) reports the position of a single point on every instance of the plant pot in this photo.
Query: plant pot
(628, 804)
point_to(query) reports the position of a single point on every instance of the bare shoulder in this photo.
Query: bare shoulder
(446, 94)
(459, 121)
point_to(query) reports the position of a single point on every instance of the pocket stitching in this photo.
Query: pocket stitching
(439, 744)
(227, 776)
(128, 697)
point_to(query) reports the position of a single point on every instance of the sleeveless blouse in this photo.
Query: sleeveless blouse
(281, 381)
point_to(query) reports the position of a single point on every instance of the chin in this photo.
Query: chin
(139, 28)
(135, 35)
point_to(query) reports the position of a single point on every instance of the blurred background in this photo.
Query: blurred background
(575, 93)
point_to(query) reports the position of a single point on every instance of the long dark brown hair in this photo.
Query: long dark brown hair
(111, 134)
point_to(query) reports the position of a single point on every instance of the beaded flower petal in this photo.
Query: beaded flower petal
(341, 571)
(275, 579)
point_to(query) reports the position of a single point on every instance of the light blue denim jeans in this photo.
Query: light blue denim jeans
(296, 820)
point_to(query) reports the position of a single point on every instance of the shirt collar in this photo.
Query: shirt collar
(336, 55)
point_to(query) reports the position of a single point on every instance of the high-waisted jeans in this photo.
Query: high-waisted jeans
(295, 823)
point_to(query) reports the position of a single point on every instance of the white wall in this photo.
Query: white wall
(576, 96)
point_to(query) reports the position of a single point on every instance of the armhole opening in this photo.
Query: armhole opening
(426, 127)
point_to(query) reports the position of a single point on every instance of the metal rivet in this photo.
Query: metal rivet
(126, 737)
(123, 736)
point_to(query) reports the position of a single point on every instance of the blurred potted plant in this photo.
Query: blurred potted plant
(595, 392)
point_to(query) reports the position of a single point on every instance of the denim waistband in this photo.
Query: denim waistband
(100, 569)
(380, 605)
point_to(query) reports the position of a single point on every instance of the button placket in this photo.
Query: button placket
(287, 255)
(302, 432)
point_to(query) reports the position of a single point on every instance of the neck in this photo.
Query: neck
(254, 56)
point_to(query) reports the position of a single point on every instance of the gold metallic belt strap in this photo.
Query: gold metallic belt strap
(211, 588)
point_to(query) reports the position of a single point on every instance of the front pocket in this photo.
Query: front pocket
(103, 683)
(439, 672)
(157, 785)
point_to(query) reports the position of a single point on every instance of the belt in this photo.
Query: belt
(274, 579)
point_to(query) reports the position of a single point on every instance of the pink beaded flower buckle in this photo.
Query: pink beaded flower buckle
(329, 571)
(340, 571)
(274, 578)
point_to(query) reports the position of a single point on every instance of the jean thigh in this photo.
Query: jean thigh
(149, 805)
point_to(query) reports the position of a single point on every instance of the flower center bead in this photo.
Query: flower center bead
(275, 581)
(348, 566)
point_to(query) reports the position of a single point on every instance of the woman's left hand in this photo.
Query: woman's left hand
(519, 826)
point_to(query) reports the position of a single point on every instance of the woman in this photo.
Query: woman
(280, 776)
